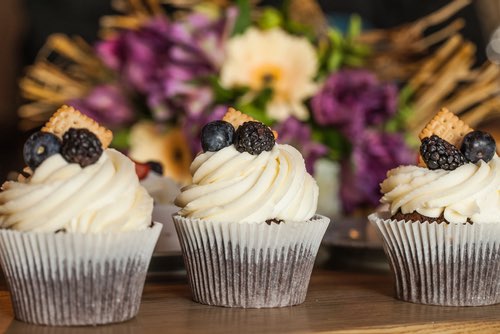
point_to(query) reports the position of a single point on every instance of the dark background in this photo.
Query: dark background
(26, 24)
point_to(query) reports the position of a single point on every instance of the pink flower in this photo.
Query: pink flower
(372, 156)
(353, 100)
(107, 104)
(168, 61)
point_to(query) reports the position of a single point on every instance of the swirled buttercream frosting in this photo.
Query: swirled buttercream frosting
(102, 197)
(229, 186)
(470, 192)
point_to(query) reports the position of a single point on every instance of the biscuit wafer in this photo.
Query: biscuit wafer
(237, 118)
(67, 117)
(447, 126)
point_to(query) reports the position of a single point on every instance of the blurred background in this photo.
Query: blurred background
(26, 24)
(156, 71)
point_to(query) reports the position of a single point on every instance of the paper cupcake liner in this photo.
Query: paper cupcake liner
(442, 264)
(65, 279)
(249, 265)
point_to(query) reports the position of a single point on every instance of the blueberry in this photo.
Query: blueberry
(478, 145)
(39, 146)
(155, 166)
(216, 135)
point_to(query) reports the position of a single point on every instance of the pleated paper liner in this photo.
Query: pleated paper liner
(250, 265)
(442, 264)
(65, 279)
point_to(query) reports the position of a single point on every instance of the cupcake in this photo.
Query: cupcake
(76, 235)
(247, 225)
(441, 233)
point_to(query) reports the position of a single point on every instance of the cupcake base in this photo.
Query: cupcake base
(442, 264)
(68, 279)
(250, 265)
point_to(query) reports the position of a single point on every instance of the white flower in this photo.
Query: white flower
(273, 58)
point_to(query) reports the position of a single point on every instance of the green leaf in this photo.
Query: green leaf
(264, 97)
(359, 49)
(336, 38)
(405, 94)
(256, 112)
(405, 110)
(297, 28)
(121, 139)
(334, 140)
(225, 95)
(334, 61)
(355, 27)
(353, 61)
(258, 106)
(412, 140)
(344, 50)
(270, 18)
(244, 19)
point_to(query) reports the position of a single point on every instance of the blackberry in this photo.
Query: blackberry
(439, 154)
(254, 138)
(39, 147)
(478, 145)
(81, 146)
(216, 135)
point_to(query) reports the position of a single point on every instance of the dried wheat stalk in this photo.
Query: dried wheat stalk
(429, 97)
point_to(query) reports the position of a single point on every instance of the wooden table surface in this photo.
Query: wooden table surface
(337, 302)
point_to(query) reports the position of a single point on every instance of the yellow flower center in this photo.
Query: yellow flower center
(266, 75)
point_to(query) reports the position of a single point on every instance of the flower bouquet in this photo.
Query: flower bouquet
(344, 97)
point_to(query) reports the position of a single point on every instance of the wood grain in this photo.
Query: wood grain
(338, 302)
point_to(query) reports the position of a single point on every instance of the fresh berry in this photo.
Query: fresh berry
(478, 145)
(39, 147)
(81, 146)
(439, 154)
(142, 170)
(216, 135)
(254, 138)
(155, 166)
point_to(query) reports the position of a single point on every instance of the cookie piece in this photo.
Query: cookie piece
(447, 126)
(67, 117)
(237, 118)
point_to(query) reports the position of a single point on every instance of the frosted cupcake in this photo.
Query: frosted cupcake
(442, 231)
(76, 235)
(247, 227)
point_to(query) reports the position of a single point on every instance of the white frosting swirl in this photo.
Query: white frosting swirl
(229, 186)
(471, 191)
(102, 197)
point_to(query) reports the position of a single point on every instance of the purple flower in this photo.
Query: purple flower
(166, 61)
(298, 134)
(107, 104)
(372, 156)
(353, 99)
